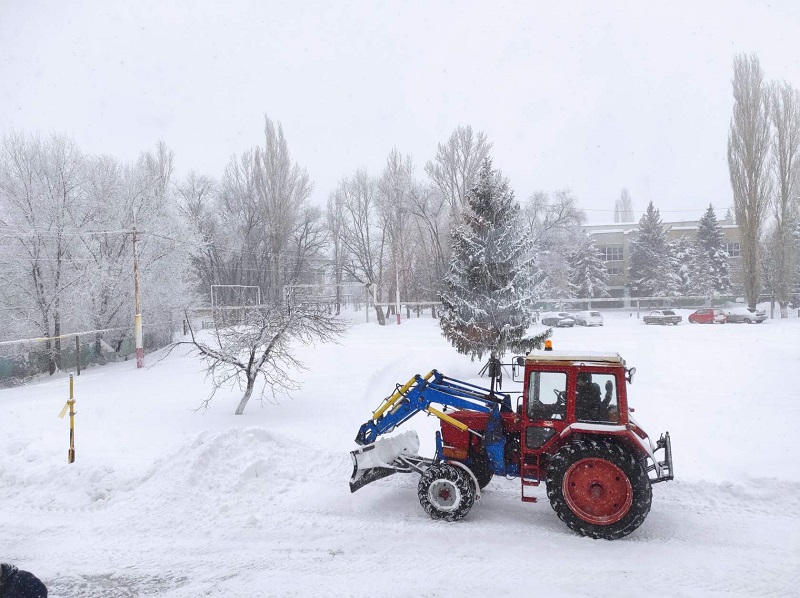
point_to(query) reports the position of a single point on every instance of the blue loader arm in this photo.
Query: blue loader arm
(419, 393)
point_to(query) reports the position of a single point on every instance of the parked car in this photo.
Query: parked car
(746, 315)
(663, 317)
(559, 320)
(589, 318)
(708, 316)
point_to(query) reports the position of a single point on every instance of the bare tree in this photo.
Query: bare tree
(427, 203)
(548, 218)
(748, 164)
(785, 118)
(261, 347)
(623, 208)
(196, 196)
(394, 189)
(457, 163)
(334, 222)
(363, 241)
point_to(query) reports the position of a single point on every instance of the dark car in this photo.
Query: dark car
(708, 315)
(559, 320)
(663, 317)
(746, 315)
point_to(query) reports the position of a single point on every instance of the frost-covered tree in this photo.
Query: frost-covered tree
(457, 163)
(651, 272)
(623, 208)
(785, 118)
(748, 164)
(42, 207)
(710, 271)
(394, 191)
(552, 223)
(489, 291)
(432, 218)
(256, 227)
(588, 274)
(682, 255)
(363, 241)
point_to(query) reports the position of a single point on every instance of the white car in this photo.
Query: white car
(589, 318)
(746, 315)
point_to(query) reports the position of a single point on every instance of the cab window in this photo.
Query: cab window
(596, 398)
(547, 392)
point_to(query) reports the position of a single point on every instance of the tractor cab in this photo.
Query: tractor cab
(567, 394)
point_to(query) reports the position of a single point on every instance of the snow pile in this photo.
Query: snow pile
(384, 452)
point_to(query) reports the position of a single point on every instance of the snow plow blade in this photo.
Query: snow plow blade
(384, 458)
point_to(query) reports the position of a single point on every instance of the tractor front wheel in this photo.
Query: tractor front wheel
(598, 488)
(446, 492)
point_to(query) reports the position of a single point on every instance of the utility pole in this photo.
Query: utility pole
(137, 318)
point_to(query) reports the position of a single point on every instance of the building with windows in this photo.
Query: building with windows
(613, 242)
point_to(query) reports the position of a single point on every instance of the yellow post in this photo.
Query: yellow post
(70, 404)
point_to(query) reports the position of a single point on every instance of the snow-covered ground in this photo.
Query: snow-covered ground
(167, 501)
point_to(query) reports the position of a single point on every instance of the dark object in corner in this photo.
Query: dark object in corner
(15, 583)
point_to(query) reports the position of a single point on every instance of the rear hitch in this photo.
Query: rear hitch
(664, 468)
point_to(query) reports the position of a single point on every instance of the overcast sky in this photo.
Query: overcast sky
(594, 96)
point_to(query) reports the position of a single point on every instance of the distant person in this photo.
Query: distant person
(15, 583)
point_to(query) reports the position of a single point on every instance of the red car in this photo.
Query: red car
(708, 316)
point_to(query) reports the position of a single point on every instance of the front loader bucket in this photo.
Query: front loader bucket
(382, 459)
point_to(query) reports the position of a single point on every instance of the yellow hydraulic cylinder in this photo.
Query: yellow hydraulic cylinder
(450, 420)
(397, 394)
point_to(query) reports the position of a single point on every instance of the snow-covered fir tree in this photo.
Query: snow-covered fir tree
(710, 272)
(652, 268)
(588, 274)
(489, 290)
(683, 256)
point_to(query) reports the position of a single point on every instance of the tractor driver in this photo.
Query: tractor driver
(589, 405)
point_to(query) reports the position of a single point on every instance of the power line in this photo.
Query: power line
(13, 234)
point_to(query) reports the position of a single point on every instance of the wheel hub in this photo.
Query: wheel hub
(445, 495)
(597, 491)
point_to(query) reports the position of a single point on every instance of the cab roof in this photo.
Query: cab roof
(587, 357)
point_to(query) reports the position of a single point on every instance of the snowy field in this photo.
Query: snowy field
(167, 501)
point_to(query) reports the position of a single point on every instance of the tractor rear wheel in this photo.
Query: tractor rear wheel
(598, 488)
(481, 468)
(446, 492)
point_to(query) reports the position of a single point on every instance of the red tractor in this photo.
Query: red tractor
(572, 429)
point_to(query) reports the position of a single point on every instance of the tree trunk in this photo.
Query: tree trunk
(57, 334)
(380, 316)
(251, 382)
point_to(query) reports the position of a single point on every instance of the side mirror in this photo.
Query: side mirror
(629, 375)
(517, 362)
